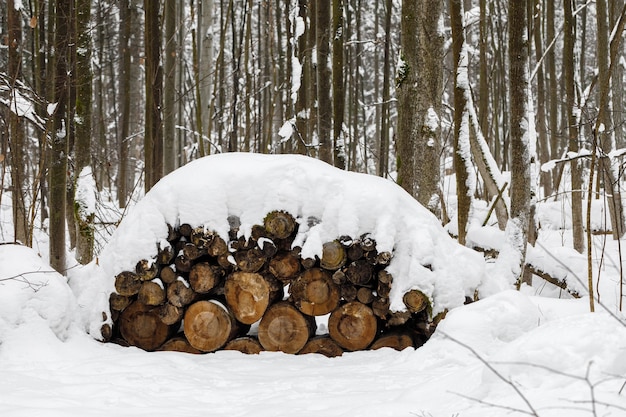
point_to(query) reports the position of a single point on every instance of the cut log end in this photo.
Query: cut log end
(323, 345)
(140, 326)
(208, 325)
(314, 292)
(279, 224)
(247, 295)
(353, 326)
(247, 345)
(284, 328)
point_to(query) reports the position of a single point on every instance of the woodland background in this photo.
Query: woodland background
(100, 99)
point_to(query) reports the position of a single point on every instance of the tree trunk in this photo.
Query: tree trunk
(569, 39)
(324, 104)
(513, 254)
(419, 87)
(604, 124)
(85, 185)
(16, 128)
(169, 89)
(338, 85)
(462, 155)
(153, 137)
(384, 143)
(59, 148)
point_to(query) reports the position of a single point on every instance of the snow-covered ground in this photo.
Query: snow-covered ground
(532, 352)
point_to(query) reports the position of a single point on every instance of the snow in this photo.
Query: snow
(562, 360)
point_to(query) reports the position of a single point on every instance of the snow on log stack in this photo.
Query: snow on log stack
(279, 253)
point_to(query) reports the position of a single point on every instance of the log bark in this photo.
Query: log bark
(333, 256)
(151, 293)
(314, 293)
(353, 326)
(203, 277)
(323, 345)
(397, 341)
(140, 326)
(248, 345)
(247, 295)
(285, 266)
(178, 344)
(279, 224)
(180, 294)
(284, 328)
(208, 325)
(127, 283)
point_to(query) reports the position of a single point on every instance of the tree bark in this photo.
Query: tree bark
(338, 85)
(153, 136)
(419, 86)
(324, 104)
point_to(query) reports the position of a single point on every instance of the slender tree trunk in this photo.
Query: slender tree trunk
(462, 153)
(604, 125)
(124, 99)
(383, 149)
(419, 88)
(312, 102)
(16, 128)
(324, 114)
(569, 38)
(513, 254)
(304, 56)
(153, 139)
(483, 101)
(59, 148)
(84, 214)
(553, 101)
(338, 85)
(169, 89)
(205, 62)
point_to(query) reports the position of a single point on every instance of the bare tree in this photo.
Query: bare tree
(338, 85)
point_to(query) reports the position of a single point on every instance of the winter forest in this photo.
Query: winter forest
(500, 126)
(412, 91)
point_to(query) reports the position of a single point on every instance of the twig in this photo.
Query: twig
(532, 411)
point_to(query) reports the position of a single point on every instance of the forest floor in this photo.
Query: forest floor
(537, 351)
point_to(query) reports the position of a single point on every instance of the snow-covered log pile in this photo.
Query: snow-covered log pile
(249, 252)
(219, 288)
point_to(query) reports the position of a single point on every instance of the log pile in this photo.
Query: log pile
(202, 293)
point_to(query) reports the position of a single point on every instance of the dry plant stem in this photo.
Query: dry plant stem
(592, 167)
(510, 383)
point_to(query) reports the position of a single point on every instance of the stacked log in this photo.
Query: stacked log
(203, 293)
